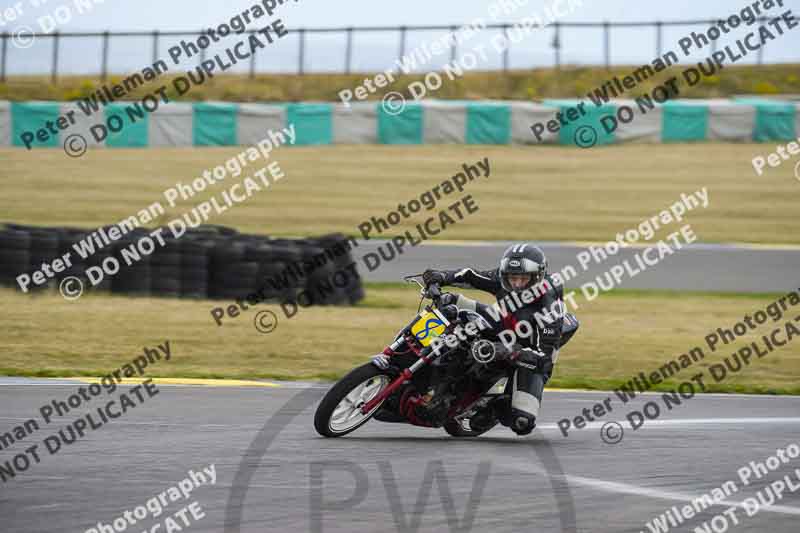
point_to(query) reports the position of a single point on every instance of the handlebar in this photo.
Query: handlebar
(432, 291)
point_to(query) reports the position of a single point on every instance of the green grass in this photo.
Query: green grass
(622, 333)
(534, 193)
(530, 84)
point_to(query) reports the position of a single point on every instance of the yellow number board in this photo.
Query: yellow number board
(427, 327)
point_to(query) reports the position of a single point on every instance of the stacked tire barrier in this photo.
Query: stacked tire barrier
(207, 262)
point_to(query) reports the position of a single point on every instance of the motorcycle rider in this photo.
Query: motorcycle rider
(523, 267)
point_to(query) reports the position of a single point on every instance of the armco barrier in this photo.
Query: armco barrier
(211, 262)
(426, 122)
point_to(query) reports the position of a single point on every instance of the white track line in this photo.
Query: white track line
(624, 488)
(168, 424)
(303, 385)
(44, 506)
(654, 493)
(281, 385)
(554, 427)
(687, 422)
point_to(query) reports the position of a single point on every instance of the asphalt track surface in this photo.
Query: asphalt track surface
(372, 479)
(697, 267)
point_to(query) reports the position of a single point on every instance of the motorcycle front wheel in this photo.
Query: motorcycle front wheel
(339, 412)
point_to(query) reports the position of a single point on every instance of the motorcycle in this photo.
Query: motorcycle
(461, 386)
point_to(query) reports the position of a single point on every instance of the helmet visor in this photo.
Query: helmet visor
(519, 282)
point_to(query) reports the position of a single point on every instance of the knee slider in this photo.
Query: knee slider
(522, 423)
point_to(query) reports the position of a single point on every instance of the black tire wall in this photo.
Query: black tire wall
(212, 262)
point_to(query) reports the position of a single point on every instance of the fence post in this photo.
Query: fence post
(3, 58)
(302, 52)
(557, 44)
(659, 38)
(402, 41)
(155, 46)
(507, 48)
(607, 43)
(714, 42)
(55, 56)
(454, 48)
(104, 68)
(349, 52)
(252, 66)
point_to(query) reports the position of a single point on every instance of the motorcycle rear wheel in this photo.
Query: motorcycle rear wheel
(339, 412)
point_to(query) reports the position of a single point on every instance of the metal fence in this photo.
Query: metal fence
(556, 43)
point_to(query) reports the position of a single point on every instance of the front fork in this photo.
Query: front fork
(404, 376)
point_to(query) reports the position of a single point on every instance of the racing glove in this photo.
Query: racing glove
(434, 276)
(448, 299)
(534, 360)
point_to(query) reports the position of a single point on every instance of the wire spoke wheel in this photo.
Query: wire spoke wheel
(339, 412)
(348, 413)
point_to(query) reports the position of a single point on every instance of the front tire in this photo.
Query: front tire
(339, 412)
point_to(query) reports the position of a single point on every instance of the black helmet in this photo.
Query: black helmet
(520, 260)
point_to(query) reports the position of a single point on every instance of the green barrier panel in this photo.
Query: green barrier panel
(313, 123)
(214, 124)
(134, 127)
(585, 130)
(31, 117)
(488, 123)
(775, 122)
(682, 122)
(403, 128)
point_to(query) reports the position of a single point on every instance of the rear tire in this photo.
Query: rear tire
(371, 380)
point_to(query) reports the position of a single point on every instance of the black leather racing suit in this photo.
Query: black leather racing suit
(541, 341)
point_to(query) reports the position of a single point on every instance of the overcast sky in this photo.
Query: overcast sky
(191, 14)
(372, 51)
